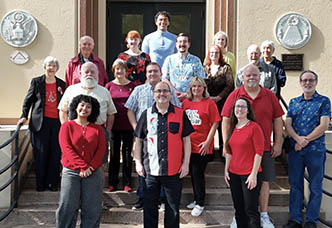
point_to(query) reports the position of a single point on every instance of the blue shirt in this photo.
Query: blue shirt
(180, 72)
(142, 98)
(305, 115)
(159, 45)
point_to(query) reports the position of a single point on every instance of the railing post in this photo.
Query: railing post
(17, 166)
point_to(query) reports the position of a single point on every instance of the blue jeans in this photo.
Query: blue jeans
(77, 192)
(315, 163)
(173, 187)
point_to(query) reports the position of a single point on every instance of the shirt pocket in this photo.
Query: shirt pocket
(174, 127)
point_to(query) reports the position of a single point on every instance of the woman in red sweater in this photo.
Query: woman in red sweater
(245, 148)
(204, 116)
(83, 146)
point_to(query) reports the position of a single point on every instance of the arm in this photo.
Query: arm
(138, 157)
(273, 87)
(239, 79)
(109, 123)
(225, 131)
(145, 46)
(204, 146)
(277, 137)
(227, 163)
(184, 170)
(229, 84)
(132, 118)
(301, 141)
(29, 99)
(63, 116)
(252, 178)
(320, 129)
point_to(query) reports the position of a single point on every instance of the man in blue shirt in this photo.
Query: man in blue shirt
(180, 68)
(160, 43)
(307, 120)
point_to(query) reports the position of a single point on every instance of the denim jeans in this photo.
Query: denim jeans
(79, 193)
(245, 201)
(173, 187)
(314, 161)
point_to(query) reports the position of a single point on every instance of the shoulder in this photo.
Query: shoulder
(230, 55)
(38, 79)
(60, 81)
(74, 60)
(96, 59)
(193, 57)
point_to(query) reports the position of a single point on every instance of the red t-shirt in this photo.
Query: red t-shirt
(51, 109)
(266, 108)
(245, 143)
(81, 146)
(202, 115)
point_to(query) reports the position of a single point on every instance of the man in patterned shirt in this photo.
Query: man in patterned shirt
(180, 68)
(307, 120)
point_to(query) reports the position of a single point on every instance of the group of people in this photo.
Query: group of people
(163, 97)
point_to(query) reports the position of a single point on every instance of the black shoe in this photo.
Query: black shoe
(292, 224)
(138, 205)
(310, 225)
(40, 189)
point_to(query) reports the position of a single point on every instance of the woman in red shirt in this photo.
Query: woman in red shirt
(83, 147)
(122, 132)
(245, 148)
(204, 116)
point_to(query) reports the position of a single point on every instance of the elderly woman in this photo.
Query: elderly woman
(204, 116)
(122, 132)
(220, 81)
(135, 59)
(221, 40)
(267, 49)
(73, 71)
(245, 148)
(83, 147)
(43, 97)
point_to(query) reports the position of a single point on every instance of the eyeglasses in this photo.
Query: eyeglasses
(241, 107)
(161, 91)
(308, 80)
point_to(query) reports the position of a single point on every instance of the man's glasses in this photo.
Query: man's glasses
(308, 80)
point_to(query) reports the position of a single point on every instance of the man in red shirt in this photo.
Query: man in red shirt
(268, 113)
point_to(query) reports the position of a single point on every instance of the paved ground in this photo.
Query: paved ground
(120, 226)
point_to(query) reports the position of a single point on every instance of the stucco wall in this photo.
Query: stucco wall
(57, 32)
(256, 21)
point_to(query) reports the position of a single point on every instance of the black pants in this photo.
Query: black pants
(47, 153)
(245, 201)
(152, 186)
(197, 168)
(126, 137)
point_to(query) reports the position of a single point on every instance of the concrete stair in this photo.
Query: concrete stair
(37, 209)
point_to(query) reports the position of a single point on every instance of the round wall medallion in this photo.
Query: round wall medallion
(19, 57)
(18, 28)
(292, 31)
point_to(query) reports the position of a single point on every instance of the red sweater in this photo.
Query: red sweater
(81, 146)
(245, 143)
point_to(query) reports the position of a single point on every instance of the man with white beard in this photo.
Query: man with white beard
(89, 86)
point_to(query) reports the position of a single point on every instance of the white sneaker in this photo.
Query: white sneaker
(191, 205)
(233, 225)
(162, 207)
(197, 211)
(266, 222)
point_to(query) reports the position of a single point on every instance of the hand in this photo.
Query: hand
(86, 173)
(21, 121)
(251, 181)
(297, 147)
(215, 99)
(276, 150)
(204, 148)
(302, 141)
(224, 151)
(181, 96)
(227, 178)
(184, 170)
(139, 168)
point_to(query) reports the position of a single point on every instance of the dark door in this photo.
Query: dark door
(123, 17)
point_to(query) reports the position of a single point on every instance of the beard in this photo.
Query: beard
(89, 82)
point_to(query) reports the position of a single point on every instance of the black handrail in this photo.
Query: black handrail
(306, 177)
(17, 163)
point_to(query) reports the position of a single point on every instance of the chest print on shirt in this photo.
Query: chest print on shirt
(50, 97)
(193, 117)
(153, 125)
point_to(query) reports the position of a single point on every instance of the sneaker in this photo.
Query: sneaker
(111, 188)
(292, 224)
(266, 222)
(197, 211)
(191, 205)
(138, 205)
(127, 188)
(233, 225)
(310, 225)
(161, 207)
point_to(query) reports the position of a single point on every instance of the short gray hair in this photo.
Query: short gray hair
(267, 42)
(51, 59)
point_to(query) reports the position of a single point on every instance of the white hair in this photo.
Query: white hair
(51, 59)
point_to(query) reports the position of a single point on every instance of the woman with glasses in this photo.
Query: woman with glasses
(245, 148)
(204, 117)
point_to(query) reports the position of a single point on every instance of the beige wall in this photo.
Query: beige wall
(255, 23)
(57, 32)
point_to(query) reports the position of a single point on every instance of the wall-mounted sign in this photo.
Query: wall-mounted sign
(292, 31)
(18, 28)
(19, 57)
(292, 61)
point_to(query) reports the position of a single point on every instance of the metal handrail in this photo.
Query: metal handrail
(17, 163)
(306, 177)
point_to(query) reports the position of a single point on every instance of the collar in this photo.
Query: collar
(314, 97)
(178, 54)
(243, 92)
(170, 108)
